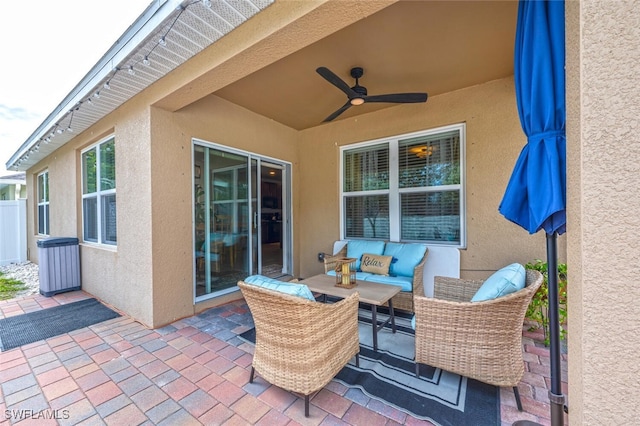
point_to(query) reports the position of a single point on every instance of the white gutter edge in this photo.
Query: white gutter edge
(146, 24)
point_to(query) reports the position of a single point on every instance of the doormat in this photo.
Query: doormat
(40, 325)
(388, 375)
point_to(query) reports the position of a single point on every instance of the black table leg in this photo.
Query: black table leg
(374, 323)
(393, 316)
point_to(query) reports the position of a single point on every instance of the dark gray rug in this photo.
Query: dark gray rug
(46, 323)
(443, 398)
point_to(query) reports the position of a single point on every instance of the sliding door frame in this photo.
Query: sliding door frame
(254, 244)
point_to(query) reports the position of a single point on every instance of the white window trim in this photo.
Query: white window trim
(98, 194)
(43, 203)
(394, 196)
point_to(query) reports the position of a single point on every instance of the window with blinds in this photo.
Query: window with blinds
(407, 188)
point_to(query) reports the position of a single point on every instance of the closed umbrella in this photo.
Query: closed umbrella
(535, 197)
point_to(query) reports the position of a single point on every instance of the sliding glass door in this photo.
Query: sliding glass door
(241, 218)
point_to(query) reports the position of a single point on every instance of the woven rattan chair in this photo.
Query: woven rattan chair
(301, 344)
(480, 340)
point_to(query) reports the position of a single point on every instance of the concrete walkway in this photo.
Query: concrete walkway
(194, 371)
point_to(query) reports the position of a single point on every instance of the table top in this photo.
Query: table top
(373, 293)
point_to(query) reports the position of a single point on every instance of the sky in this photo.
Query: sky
(46, 48)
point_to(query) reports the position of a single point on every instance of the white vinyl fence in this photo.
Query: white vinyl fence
(13, 231)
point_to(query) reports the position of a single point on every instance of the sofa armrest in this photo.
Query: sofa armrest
(418, 276)
(330, 260)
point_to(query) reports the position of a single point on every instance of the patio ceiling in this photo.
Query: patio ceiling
(415, 46)
(410, 46)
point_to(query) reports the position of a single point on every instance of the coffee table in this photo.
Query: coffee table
(373, 294)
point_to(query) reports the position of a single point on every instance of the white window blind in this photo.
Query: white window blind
(407, 188)
(366, 179)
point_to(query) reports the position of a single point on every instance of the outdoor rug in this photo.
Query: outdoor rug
(39, 325)
(388, 375)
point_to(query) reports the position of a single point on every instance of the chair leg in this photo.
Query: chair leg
(417, 369)
(358, 360)
(517, 395)
(306, 405)
(251, 375)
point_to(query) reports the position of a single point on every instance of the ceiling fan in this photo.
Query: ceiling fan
(357, 95)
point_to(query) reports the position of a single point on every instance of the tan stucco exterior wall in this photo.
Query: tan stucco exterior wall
(494, 139)
(212, 120)
(119, 276)
(603, 64)
(150, 274)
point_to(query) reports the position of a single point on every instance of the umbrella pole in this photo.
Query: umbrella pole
(555, 393)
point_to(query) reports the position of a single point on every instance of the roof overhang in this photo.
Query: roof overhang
(134, 62)
(268, 65)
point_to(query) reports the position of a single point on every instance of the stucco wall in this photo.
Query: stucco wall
(494, 139)
(119, 276)
(150, 273)
(213, 120)
(603, 64)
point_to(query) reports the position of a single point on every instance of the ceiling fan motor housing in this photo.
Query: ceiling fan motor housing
(356, 73)
(360, 90)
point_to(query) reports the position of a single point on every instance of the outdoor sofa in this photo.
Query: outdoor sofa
(399, 264)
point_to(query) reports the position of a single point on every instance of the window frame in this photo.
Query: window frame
(43, 202)
(99, 194)
(394, 192)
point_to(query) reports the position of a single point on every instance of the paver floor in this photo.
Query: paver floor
(194, 371)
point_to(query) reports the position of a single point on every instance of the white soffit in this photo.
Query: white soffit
(188, 27)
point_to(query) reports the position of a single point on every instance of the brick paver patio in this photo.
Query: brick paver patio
(194, 371)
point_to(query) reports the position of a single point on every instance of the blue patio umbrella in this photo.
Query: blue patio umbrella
(535, 197)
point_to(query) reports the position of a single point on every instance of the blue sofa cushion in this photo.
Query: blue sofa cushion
(293, 289)
(504, 281)
(408, 255)
(356, 248)
(405, 282)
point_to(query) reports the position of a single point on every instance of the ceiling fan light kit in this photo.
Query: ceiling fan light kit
(357, 95)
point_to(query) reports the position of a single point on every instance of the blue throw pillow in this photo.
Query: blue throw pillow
(408, 255)
(356, 248)
(504, 281)
(293, 289)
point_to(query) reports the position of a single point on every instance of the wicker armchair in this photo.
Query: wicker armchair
(301, 344)
(480, 340)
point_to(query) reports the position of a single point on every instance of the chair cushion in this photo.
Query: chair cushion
(504, 281)
(408, 255)
(375, 264)
(356, 248)
(293, 289)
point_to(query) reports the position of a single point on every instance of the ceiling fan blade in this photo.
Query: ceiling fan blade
(336, 81)
(342, 109)
(398, 98)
